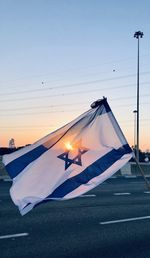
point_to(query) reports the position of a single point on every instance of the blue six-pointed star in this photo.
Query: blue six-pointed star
(77, 159)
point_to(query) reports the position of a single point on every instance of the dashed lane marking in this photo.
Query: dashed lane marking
(124, 220)
(88, 195)
(14, 235)
(7, 180)
(129, 176)
(121, 193)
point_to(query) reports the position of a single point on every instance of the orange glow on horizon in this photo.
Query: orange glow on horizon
(23, 137)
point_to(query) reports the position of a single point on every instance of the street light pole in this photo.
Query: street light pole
(138, 35)
(135, 130)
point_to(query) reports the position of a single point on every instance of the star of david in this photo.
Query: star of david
(77, 159)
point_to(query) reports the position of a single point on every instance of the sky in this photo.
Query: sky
(58, 56)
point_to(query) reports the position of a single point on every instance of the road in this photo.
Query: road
(113, 220)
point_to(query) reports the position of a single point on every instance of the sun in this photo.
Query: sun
(68, 146)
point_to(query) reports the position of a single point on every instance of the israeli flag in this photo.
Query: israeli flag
(70, 161)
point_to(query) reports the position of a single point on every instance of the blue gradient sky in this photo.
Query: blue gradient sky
(59, 56)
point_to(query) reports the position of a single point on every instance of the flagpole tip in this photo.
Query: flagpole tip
(98, 102)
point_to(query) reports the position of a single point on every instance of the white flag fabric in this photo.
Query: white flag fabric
(70, 161)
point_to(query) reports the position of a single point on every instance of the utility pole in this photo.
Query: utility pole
(138, 35)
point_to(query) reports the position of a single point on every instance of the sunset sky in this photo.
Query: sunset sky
(58, 56)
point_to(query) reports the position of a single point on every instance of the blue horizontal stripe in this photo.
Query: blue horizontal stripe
(17, 165)
(94, 170)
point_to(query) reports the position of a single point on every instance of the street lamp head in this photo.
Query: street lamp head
(138, 34)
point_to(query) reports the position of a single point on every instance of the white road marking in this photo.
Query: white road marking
(135, 183)
(130, 176)
(7, 180)
(88, 195)
(14, 235)
(124, 220)
(122, 193)
(147, 192)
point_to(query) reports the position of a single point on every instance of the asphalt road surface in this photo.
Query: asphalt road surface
(113, 220)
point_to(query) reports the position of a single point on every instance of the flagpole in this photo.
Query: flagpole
(142, 173)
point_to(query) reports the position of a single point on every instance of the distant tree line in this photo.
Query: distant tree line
(5, 150)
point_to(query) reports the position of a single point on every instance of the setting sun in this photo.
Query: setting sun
(68, 146)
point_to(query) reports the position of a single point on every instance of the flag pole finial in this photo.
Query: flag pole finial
(98, 102)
